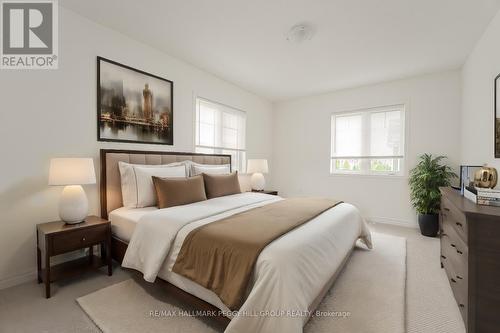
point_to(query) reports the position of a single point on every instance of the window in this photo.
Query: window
(369, 141)
(220, 129)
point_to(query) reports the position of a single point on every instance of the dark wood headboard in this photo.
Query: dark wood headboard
(110, 187)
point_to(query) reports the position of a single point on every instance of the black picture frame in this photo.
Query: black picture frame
(496, 107)
(467, 170)
(169, 141)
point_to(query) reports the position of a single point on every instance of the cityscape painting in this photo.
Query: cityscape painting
(133, 106)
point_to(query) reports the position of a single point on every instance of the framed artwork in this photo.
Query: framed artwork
(132, 105)
(497, 116)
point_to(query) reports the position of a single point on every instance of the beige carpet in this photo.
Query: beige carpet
(430, 303)
(371, 289)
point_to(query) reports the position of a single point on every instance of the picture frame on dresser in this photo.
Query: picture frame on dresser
(467, 173)
(133, 106)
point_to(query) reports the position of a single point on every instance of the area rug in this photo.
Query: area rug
(368, 296)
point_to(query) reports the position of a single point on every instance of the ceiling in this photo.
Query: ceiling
(356, 42)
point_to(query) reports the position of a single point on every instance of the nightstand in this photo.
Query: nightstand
(271, 192)
(55, 238)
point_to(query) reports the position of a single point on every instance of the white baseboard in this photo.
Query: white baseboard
(392, 221)
(18, 279)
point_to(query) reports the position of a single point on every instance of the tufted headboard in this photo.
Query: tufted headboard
(110, 188)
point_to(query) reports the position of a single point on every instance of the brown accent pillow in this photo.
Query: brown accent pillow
(179, 191)
(221, 185)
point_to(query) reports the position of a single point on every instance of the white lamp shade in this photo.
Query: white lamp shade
(257, 166)
(71, 171)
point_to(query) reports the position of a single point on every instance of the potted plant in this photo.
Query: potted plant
(425, 180)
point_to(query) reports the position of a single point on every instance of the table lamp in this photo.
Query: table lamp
(72, 173)
(257, 167)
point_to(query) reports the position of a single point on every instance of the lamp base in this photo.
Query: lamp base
(73, 205)
(258, 181)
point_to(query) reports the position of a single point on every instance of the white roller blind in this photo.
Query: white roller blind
(221, 129)
(348, 135)
(369, 141)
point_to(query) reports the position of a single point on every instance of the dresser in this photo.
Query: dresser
(470, 255)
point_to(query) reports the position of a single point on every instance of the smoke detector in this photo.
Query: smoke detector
(300, 33)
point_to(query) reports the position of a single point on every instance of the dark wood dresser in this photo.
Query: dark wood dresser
(470, 255)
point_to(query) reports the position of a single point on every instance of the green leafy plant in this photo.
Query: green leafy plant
(425, 180)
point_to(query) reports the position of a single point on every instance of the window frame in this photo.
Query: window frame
(241, 168)
(365, 158)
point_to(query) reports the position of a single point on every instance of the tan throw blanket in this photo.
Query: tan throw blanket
(221, 255)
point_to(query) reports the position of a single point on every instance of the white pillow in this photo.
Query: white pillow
(198, 169)
(137, 183)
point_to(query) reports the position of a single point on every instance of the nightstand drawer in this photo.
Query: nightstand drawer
(78, 239)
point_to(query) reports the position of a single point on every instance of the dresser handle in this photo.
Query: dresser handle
(453, 280)
(453, 245)
(459, 224)
(459, 252)
(459, 277)
(461, 305)
(443, 257)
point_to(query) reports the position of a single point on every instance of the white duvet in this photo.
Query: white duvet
(289, 273)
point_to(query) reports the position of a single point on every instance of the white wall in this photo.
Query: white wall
(479, 72)
(301, 150)
(47, 114)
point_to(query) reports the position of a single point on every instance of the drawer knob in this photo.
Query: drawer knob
(443, 257)
(459, 224)
(83, 239)
(453, 280)
(459, 277)
(453, 245)
(459, 252)
(461, 305)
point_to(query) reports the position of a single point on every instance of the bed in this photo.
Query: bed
(291, 274)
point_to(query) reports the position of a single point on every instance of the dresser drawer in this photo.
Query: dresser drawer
(454, 257)
(458, 262)
(460, 291)
(455, 252)
(459, 288)
(455, 218)
(78, 239)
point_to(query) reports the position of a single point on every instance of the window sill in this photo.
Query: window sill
(367, 175)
